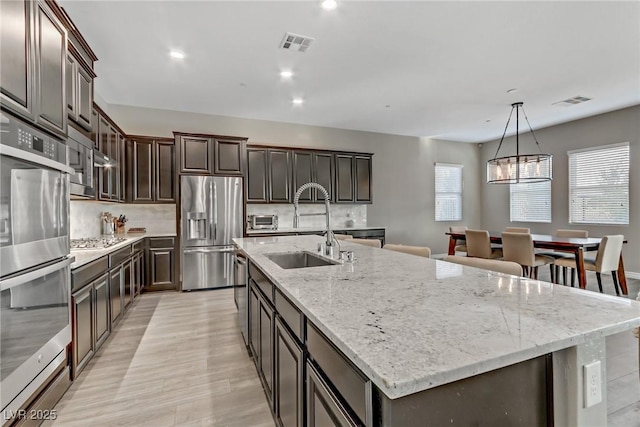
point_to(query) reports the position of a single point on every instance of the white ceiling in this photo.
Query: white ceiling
(444, 68)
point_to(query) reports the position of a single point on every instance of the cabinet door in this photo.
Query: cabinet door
(302, 173)
(266, 348)
(17, 57)
(289, 378)
(323, 174)
(51, 54)
(95, 129)
(143, 271)
(104, 146)
(82, 328)
(127, 283)
(142, 171)
(279, 176)
(228, 157)
(257, 180)
(323, 407)
(71, 81)
(84, 97)
(101, 309)
(363, 179)
(344, 179)
(195, 155)
(114, 153)
(161, 268)
(115, 294)
(165, 172)
(135, 266)
(254, 328)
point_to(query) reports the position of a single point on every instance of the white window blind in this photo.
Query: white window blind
(599, 185)
(530, 202)
(448, 192)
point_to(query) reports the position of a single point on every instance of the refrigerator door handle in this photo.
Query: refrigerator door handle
(211, 210)
(207, 250)
(215, 212)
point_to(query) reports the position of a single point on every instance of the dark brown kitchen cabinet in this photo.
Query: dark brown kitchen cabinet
(151, 170)
(363, 179)
(344, 178)
(303, 173)
(79, 87)
(195, 155)
(114, 171)
(128, 290)
(228, 156)
(323, 407)
(111, 180)
(310, 166)
(33, 56)
(161, 264)
(104, 174)
(323, 171)
(353, 178)
(289, 378)
(101, 309)
(83, 330)
(211, 154)
(115, 293)
(280, 176)
(256, 176)
(262, 323)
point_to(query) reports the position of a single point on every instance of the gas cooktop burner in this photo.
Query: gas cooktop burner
(95, 242)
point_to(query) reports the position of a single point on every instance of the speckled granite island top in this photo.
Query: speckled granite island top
(412, 323)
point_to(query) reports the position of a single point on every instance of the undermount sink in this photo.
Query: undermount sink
(299, 260)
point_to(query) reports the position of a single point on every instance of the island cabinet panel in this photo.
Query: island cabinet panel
(256, 176)
(261, 338)
(344, 178)
(280, 176)
(289, 378)
(363, 179)
(195, 155)
(323, 407)
(254, 318)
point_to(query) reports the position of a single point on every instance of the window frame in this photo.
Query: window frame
(457, 194)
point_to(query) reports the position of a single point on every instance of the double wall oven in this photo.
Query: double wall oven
(34, 262)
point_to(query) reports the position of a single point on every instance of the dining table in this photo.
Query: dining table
(575, 245)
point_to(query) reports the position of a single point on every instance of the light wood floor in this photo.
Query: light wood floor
(177, 359)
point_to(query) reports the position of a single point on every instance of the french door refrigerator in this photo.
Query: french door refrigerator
(211, 215)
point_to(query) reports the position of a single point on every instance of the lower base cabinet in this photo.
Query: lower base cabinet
(115, 293)
(161, 264)
(289, 378)
(261, 334)
(323, 406)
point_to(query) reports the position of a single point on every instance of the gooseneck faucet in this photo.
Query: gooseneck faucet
(326, 213)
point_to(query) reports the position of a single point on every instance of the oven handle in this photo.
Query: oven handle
(7, 150)
(24, 278)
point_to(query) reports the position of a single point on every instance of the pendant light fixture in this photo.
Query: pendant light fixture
(520, 168)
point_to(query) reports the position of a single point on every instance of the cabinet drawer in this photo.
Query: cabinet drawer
(262, 282)
(161, 242)
(290, 314)
(82, 275)
(120, 255)
(352, 385)
(137, 246)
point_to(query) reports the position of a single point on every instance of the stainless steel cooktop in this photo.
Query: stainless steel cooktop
(95, 242)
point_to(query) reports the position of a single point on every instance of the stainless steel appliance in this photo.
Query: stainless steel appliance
(88, 243)
(34, 262)
(211, 215)
(263, 222)
(83, 158)
(241, 294)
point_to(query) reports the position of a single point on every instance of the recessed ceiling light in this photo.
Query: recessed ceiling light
(329, 4)
(286, 74)
(176, 54)
(297, 101)
(514, 90)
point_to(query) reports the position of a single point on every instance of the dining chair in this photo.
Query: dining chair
(343, 236)
(459, 229)
(506, 267)
(518, 247)
(479, 245)
(607, 259)
(557, 255)
(422, 251)
(374, 243)
(517, 230)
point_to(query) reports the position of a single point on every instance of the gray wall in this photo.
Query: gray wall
(617, 126)
(403, 177)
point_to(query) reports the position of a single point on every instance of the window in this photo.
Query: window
(599, 185)
(448, 192)
(530, 202)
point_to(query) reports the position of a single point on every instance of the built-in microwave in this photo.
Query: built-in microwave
(83, 158)
(263, 222)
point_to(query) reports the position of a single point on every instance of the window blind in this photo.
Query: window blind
(530, 202)
(599, 185)
(448, 192)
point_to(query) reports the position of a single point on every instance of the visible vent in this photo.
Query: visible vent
(572, 101)
(296, 42)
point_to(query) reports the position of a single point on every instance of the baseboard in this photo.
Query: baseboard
(632, 274)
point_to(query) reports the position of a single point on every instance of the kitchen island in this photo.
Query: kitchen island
(432, 341)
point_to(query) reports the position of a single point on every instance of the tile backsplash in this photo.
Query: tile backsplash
(156, 218)
(340, 214)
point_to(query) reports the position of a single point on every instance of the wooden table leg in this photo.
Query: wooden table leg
(622, 278)
(452, 247)
(582, 277)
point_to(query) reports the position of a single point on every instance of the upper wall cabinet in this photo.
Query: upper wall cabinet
(151, 166)
(268, 178)
(33, 56)
(79, 88)
(110, 141)
(363, 179)
(353, 178)
(312, 166)
(210, 154)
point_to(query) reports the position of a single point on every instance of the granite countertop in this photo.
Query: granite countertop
(281, 230)
(412, 323)
(85, 256)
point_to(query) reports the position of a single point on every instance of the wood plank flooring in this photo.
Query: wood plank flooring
(177, 359)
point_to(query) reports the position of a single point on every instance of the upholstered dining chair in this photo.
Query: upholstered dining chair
(422, 251)
(557, 255)
(517, 230)
(459, 229)
(606, 260)
(518, 247)
(507, 267)
(374, 243)
(479, 245)
(343, 236)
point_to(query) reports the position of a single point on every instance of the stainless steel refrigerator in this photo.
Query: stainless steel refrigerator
(212, 215)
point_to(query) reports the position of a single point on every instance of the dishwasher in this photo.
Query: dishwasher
(241, 294)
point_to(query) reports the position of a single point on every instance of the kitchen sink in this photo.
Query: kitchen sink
(290, 260)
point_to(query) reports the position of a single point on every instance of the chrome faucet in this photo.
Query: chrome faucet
(326, 213)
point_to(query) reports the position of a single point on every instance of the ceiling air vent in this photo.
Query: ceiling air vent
(572, 101)
(296, 42)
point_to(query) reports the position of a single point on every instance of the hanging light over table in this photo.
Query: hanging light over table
(521, 167)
